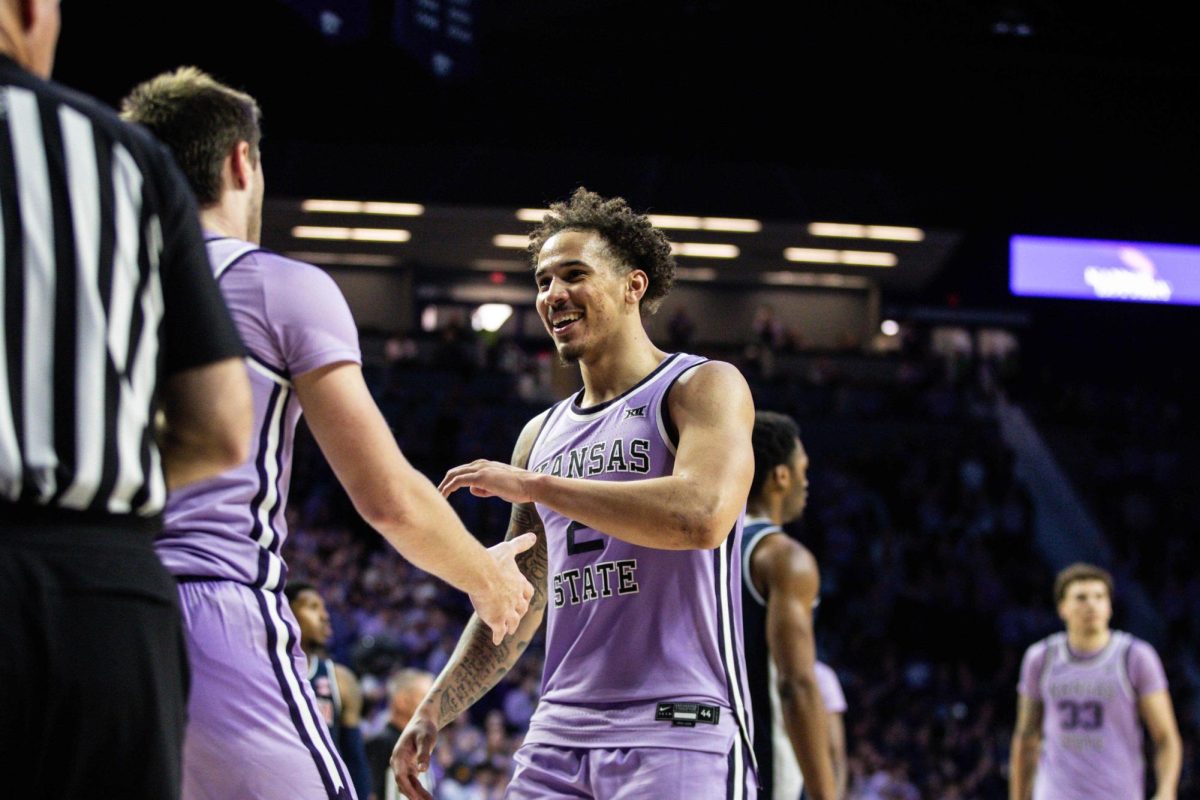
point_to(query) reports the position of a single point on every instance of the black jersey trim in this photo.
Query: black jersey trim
(581, 411)
(665, 424)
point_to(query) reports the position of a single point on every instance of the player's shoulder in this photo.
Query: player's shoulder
(707, 384)
(529, 435)
(782, 558)
(698, 370)
(1040, 648)
(284, 266)
(1134, 646)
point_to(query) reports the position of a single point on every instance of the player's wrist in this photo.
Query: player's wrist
(535, 485)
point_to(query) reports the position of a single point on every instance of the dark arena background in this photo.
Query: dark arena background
(844, 181)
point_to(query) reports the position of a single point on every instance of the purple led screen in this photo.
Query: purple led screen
(1093, 269)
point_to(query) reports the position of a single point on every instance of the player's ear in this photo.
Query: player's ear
(782, 476)
(636, 284)
(241, 164)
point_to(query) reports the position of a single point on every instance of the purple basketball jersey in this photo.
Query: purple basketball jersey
(643, 646)
(292, 318)
(1091, 731)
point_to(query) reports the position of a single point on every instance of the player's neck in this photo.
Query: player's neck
(619, 367)
(1088, 642)
(224, 220)
(765, 507)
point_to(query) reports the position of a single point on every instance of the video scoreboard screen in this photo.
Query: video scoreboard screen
(1096, 269)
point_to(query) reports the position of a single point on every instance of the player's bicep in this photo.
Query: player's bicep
(351, 432)
(351, 694)
(1159, 715)
(1029, 716)
(789, 579)
(713, 412)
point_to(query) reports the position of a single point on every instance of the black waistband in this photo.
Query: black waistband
(33, 518)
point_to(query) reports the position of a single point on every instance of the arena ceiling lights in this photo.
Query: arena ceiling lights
(362, 207)
(390, 235)
(890, 233)
(854, 258)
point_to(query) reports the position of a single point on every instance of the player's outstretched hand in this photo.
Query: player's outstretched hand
(411, 755)
(489, 479)
(506, 600)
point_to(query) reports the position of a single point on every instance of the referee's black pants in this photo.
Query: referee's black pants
(93, 672)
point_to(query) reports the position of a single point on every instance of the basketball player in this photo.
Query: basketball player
(338, 694)
(1078, 735)
(636, 486)
(406, 689)
(780, 582)
(253, 729)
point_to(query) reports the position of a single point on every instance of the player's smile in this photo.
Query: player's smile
(563, 321)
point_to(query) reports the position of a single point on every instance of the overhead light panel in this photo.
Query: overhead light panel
(865, 258)
(856, 258)
(840, 230)
(512, 241)
(532, 214)
(731, 225)
(392, 235)
(895, 233)
(811, 255)
(704, 250)
(362, 207)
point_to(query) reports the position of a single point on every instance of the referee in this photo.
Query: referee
(109, 313)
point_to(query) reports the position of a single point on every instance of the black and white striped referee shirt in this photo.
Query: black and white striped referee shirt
(105, 288)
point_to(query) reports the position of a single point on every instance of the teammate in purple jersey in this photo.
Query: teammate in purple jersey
(636, 487)
(253, 728)
(1078, 734)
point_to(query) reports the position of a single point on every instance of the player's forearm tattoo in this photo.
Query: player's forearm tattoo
(479, 665)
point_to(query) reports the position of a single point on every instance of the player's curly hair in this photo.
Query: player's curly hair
(774, 442)
(631, 237)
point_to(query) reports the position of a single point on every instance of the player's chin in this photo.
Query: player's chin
(569, 352)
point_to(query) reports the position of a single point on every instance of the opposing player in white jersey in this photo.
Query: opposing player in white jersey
(636, 486)
(780, 582)
(1083, 697)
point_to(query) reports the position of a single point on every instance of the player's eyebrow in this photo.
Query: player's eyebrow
(542, 270)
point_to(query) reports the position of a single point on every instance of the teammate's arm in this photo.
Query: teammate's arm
(351, 746)
(1026, 744)
(695, 507)
(1158, 714)
(399, 502)
(206, 421)
(789, 574)
(477, 663)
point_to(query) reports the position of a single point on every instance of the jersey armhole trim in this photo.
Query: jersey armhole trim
(666, 426)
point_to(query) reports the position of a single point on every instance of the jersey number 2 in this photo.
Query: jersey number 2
(575, 548)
